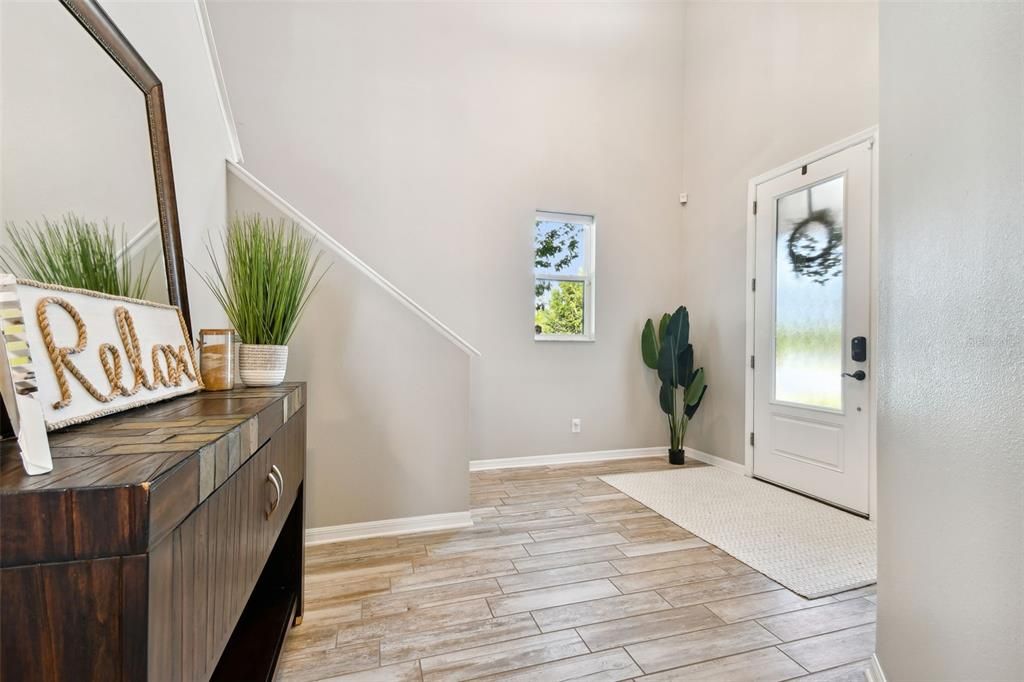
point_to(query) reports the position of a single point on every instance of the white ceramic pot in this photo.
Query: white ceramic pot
(260, 365)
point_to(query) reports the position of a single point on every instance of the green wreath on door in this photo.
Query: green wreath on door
(820, 265)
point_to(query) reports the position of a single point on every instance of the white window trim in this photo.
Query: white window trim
(589, 280)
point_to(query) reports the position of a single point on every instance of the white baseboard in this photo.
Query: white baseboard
(564, 458)
(432, 522)
(727, 464)
(600, 456)
(372, 529)
(874, 672)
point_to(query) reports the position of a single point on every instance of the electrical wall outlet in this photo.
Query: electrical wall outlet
(577, 425)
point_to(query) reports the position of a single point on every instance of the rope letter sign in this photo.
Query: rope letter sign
(79, 355)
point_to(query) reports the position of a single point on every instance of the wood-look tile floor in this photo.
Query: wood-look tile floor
(564, 577)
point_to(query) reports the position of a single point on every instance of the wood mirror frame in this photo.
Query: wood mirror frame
(105, 32)
(91, 16)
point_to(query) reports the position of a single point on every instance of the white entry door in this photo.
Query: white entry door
(812, 300)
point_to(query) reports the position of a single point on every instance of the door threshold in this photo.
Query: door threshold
(816, 499)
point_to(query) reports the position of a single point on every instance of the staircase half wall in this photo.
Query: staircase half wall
(388, 393)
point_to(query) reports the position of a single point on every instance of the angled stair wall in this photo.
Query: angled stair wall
(388, 388)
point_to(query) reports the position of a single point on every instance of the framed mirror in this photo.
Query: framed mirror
(80, 144)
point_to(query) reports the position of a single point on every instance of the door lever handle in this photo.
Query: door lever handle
(859, 375)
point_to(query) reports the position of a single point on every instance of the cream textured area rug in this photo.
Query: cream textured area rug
(809, 547)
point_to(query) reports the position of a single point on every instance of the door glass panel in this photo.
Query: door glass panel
(809, 296)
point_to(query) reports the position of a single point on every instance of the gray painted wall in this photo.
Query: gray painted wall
(423, 136)
(388, 401)
(951, 358)
(766, 83)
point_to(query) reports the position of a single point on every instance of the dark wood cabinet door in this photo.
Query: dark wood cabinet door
(159, 548)
(202, 574)
(82, 604)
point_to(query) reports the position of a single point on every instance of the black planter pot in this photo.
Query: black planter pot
(677, 456)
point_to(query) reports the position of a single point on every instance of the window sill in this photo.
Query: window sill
(564, 337)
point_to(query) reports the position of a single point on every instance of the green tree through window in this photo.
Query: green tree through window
(564, 312)
(562, 267)
(555, 248)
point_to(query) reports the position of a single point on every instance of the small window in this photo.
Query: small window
(563, 277)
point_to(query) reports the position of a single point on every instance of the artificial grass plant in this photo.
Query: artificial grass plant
(267, 277)
(74, 253)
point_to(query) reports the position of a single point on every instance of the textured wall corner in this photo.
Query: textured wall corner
(951, 367)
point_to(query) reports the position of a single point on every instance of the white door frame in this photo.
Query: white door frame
(871, 134)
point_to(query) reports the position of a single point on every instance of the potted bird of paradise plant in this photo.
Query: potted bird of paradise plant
(668, 350)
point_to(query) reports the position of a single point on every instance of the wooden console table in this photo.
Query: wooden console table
(166, 544)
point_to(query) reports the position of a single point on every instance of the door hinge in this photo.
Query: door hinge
(751, 362)
(751, 439)
(755, 207)
(753, 284)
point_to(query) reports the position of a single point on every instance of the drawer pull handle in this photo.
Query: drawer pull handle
(277, 486)
(280, 476)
